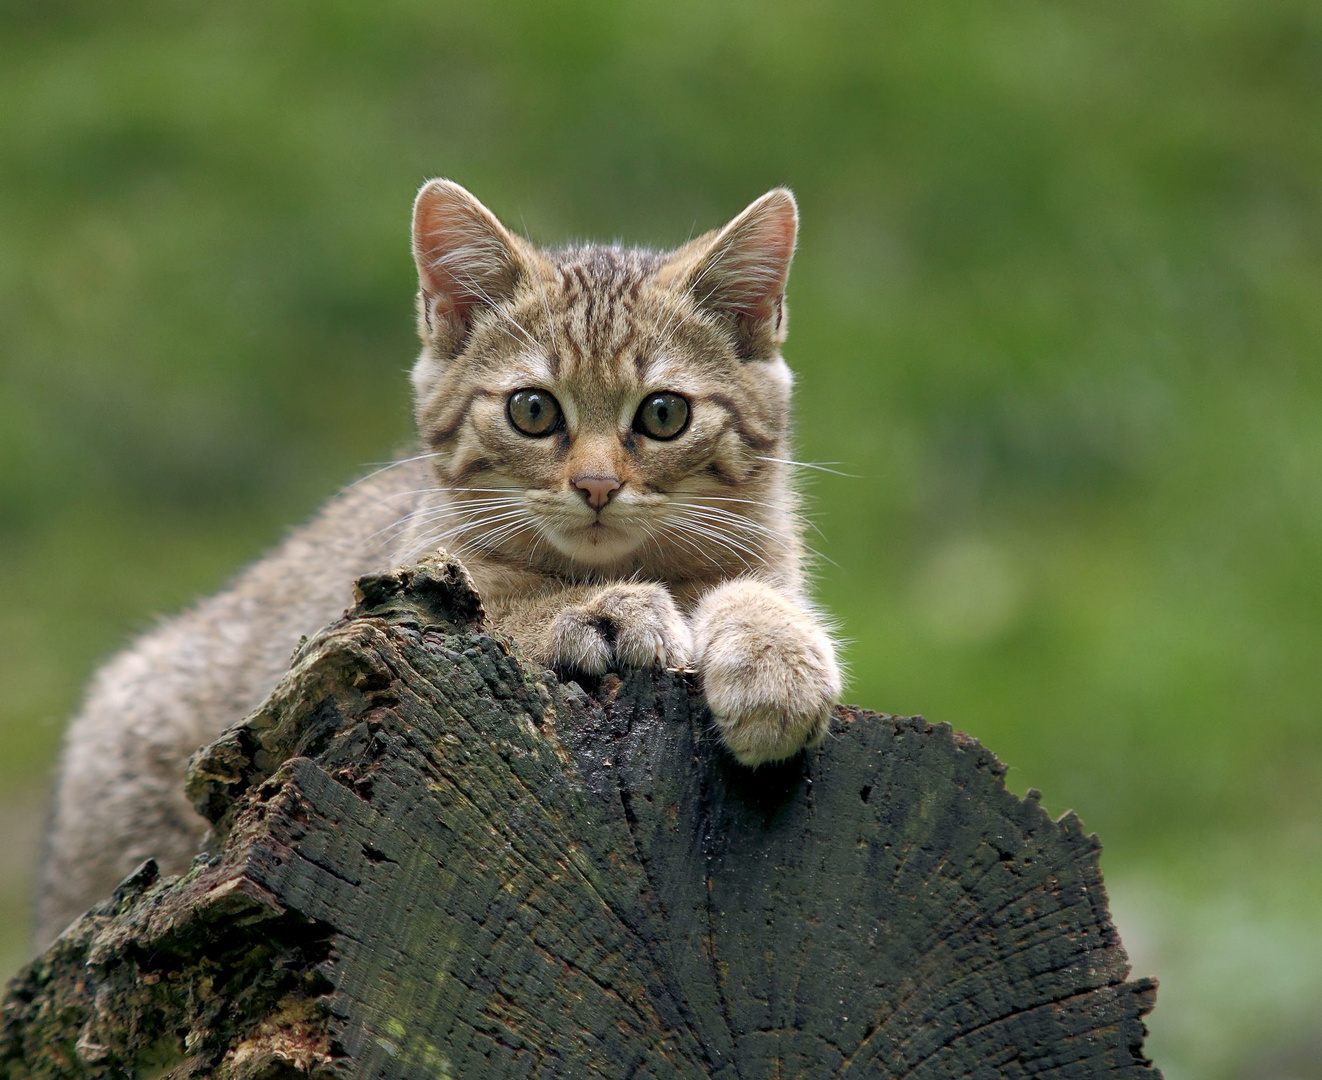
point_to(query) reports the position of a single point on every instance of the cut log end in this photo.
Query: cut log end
(433, 860)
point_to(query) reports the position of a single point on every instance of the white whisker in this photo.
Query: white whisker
(790, 543)
(820, 466)
(431, 514)
(677, 533)
(714, 513)
(725, 537)
(510, 512)
(680, 529)
(387, 467)
(797, 517)
(460, 491)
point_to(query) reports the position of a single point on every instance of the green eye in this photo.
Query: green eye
(662, 416)
(534, 412)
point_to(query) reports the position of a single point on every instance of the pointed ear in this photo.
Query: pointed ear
(742, 270)
(466, 259)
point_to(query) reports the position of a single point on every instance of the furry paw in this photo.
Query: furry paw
(768, 670)
(624, 625)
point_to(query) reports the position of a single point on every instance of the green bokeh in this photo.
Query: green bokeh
(1057, 310)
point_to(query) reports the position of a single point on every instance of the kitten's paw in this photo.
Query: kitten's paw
(768, 670)
(624, 625)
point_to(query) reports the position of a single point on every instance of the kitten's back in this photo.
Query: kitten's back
(120, 797)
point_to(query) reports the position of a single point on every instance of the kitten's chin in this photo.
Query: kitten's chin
(596, 545)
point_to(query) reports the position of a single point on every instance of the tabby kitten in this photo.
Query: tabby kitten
(605, 435)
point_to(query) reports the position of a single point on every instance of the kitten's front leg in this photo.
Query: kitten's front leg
(594, 629)
(768, 670)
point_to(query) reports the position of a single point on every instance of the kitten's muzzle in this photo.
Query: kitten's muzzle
(597, 490)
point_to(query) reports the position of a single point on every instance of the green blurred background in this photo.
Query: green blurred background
(1057, 308)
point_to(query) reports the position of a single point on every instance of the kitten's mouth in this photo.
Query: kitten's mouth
(598, 533)
(596, 542)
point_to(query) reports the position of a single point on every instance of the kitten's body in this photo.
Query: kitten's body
(606, 540)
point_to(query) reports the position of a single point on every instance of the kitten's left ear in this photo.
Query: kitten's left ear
(467, 260)
(742, 270)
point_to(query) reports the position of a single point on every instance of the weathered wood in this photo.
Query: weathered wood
(433, 860)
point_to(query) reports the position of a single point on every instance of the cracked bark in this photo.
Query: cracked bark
(432, 860)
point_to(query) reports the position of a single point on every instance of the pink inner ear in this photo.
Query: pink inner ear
(438, 240)
(752, 266)
(462, 258)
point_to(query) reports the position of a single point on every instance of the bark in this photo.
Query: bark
(433, 860)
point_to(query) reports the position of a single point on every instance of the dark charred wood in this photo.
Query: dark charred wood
(432, 860)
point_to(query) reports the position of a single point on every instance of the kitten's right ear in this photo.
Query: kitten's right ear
(740, 271)
(466, 259)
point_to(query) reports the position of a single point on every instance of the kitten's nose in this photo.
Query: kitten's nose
(597, 489)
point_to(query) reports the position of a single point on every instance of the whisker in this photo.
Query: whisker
(714, 513)
(391, 465)
(682, 528)
(458, 490)
(496, 534)
(541, 534)
(720, 498)
(729, 538)
(431, 514)
(797, 517)
(677, 534)
(444, 535)
(650, 534)
(725, 516)
(467, 504)
(820, 466)
(699, 516)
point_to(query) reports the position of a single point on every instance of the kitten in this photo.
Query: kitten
(605, 433)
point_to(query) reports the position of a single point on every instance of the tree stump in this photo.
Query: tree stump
(432, 860)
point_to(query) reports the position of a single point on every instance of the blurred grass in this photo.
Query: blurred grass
(1056, 307)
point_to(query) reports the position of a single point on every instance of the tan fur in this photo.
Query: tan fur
(695, 560)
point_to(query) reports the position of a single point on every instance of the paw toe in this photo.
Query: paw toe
(648, 630)
(580, 642)
(621, 626)
(653, 643)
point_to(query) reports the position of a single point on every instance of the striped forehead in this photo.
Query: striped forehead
(602, 310)
(610, 272)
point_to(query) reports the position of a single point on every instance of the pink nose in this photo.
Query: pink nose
(597, 489)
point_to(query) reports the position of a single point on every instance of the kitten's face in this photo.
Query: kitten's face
(595, 409)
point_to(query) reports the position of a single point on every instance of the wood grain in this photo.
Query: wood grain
(432, 860)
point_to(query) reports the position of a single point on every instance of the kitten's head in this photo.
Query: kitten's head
(602, 409)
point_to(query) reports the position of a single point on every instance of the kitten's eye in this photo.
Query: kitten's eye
(534, 412)
(662, 416)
